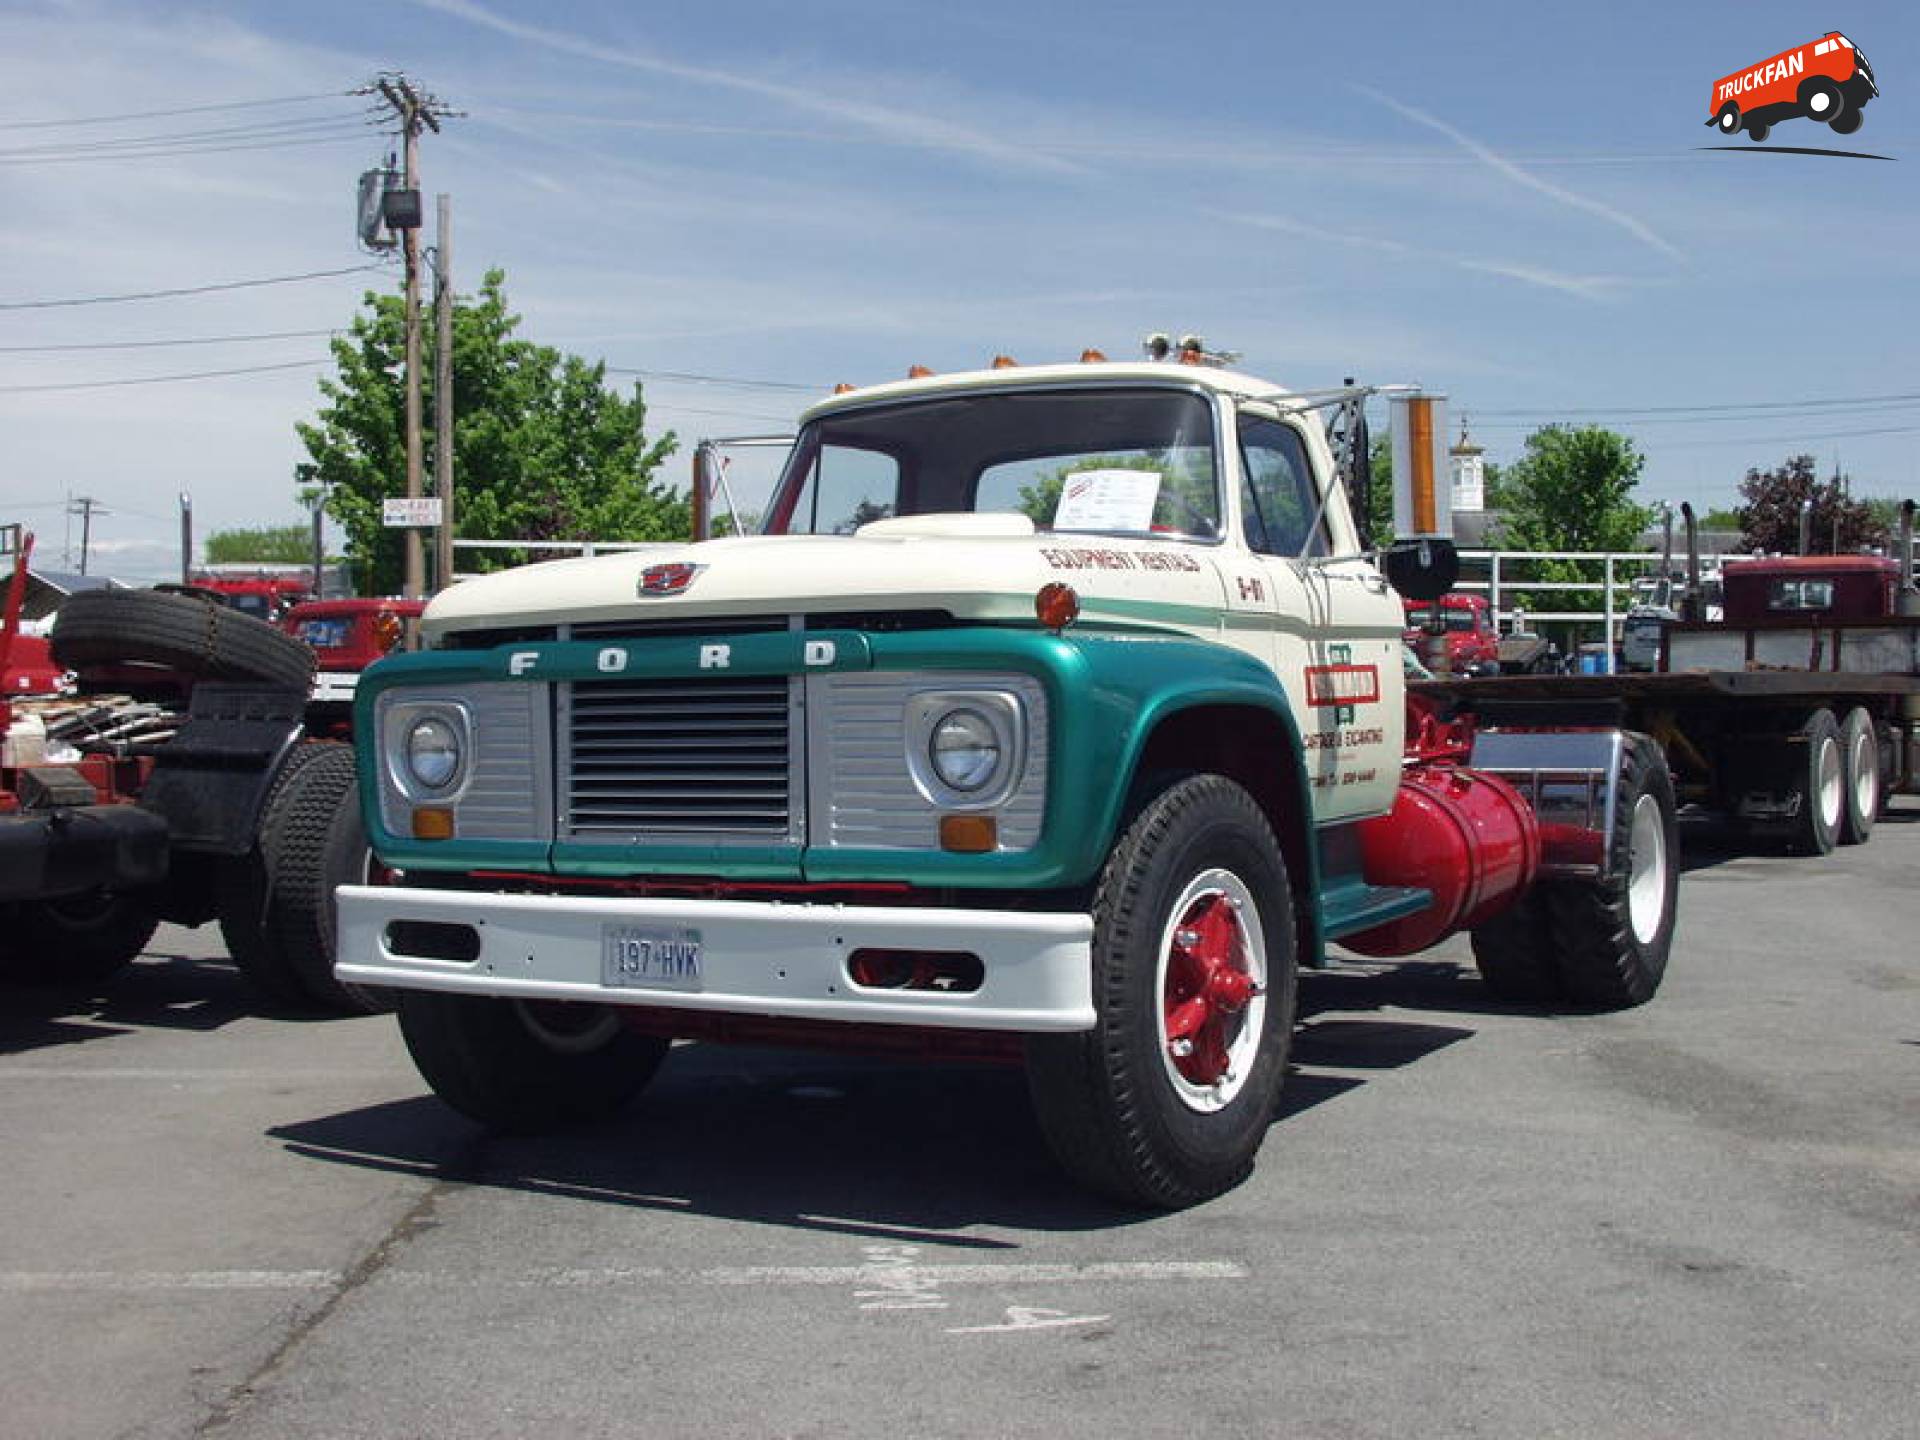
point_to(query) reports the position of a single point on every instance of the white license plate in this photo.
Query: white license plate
(650, 957)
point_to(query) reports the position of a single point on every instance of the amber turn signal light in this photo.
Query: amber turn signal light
(388, 629)
(969, 834)
(433, 822)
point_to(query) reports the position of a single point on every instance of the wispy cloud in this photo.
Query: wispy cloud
(1505, 167)
(881, 119)
(1585, 287)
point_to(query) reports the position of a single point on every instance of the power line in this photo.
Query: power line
(225, 133)
(163, 114)
(164, 344)
(161, 379)
(1812, 406)
(724, 380)
(186, 289)
(356, 136)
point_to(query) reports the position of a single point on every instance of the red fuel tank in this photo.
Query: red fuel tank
(1466, 836)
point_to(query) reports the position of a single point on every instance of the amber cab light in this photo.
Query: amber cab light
(388, 628)
(1005, 362)
(918, 372)
(1057, 605)
(843, 388)
(1091, 356)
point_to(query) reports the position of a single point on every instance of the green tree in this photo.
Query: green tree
(1572, 490)
(268, 545)
(542, 450)
(1720, 518)
(1772, 501)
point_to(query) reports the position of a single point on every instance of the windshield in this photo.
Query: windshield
(1134, 461)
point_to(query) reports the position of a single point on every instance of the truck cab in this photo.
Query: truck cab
(1458, 627)
(1056, 714)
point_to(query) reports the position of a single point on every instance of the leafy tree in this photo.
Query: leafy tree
(1770, 514)
(1572, 490)
(269, 545)
(542, 449)
(1719, 518)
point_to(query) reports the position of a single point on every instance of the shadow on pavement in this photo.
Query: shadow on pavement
(157, 992)
(811, 1141)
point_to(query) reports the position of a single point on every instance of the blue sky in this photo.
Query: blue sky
(1507, 202)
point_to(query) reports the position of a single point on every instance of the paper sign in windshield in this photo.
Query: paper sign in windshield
(1107, 500)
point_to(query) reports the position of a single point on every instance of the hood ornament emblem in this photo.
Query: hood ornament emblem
(670, 579)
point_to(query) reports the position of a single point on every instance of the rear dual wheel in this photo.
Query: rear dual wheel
(1166, 1100)
(1599, 944)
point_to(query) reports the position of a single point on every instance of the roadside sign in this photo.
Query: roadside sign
(404, 513)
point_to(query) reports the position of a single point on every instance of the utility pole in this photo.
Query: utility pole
(443, 393)
(85, 506)
(186, 538)
(413, 109)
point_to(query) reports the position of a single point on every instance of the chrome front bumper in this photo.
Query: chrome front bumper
(757, 957)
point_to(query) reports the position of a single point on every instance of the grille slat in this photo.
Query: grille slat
(670, 757)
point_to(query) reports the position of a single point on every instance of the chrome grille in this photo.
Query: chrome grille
(711, 758)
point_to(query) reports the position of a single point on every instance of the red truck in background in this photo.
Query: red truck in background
(346, 637)
(1454, 635)
(1826, 80)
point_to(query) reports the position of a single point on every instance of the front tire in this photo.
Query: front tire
(526, 1067)
(1823, 101)
(1165, 1101)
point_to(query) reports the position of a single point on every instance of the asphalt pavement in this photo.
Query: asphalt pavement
(1696, 1219)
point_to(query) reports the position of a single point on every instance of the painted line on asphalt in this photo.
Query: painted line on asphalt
(730, 1276)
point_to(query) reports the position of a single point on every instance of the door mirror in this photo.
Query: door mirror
(1421, 569)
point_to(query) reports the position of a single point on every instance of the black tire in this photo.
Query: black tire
(73, 940)
(1728, 119)
(311, 840)
(1611, 936)
(1847, 123)
(1126, 1112)
(182, 632)
(1758, 130)
(1822, 100)
(1817, 787)
(243, 892)
(526, 1067)
(1861, 775)
(1514, 953)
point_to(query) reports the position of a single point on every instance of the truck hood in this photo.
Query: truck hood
(974, 567)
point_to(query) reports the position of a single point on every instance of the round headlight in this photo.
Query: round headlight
(433, 752)
(965, 750)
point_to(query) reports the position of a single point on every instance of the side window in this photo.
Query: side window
(846, 488)
(1277, 497)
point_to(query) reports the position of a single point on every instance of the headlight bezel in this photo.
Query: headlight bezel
(1002, 712)
(401, 723)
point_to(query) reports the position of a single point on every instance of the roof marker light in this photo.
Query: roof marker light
(918, 372)
(843, 388)
(1005, 362)
(1090, 356)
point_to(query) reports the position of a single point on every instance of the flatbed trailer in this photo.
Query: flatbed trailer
(1803, 755)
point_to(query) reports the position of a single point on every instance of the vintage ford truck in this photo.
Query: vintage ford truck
(1055, 716)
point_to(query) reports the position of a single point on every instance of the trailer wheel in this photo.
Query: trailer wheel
(184, 632)
(1819, 787)
(1728, 119)
(73, 939)
(1860, 748)
(524, 1067)
(1166, 1100)
(1514, 953)
(1611, 936)
(312, 840)
(242, 893)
